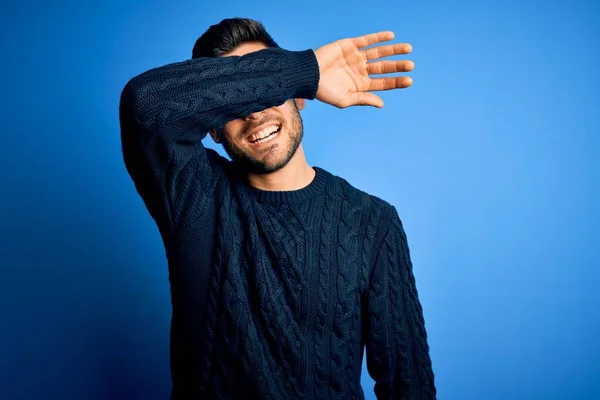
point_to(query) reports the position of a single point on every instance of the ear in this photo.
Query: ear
(213, 134)
(300, 103)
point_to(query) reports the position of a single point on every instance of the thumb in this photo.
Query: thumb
(365, 99)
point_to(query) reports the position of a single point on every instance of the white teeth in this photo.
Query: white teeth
(264, 133)
(270, 137)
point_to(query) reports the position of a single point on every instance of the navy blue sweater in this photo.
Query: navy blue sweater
(275, 295)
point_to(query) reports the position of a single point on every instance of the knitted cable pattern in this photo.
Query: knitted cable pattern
(273, 293)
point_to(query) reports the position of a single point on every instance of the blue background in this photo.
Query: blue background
(491, 159)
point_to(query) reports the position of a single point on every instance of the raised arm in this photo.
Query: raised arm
(166, 111)
(396, 340)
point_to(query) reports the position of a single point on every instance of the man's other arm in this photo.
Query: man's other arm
(397, 350)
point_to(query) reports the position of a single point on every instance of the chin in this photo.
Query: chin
(268, 168)
(273, 159)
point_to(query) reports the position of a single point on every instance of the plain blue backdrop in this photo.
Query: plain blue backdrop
(491, 159)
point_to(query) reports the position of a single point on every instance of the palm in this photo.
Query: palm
(346, 68)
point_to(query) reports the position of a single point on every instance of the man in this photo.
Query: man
(280, 273)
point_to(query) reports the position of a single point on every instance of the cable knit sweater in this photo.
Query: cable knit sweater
(275, 295)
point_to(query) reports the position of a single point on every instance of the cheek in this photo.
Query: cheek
(234, 131)
(228, 134)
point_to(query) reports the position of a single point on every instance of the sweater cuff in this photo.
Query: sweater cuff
(302, 75)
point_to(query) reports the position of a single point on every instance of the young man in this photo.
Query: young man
(280, 273)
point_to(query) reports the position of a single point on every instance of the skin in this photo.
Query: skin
(284, 165)
(349, 74)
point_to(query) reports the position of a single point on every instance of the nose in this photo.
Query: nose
(254, 115)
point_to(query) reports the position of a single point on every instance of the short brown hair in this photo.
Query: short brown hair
(228, 34)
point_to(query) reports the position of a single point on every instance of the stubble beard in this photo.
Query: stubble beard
(247, 163)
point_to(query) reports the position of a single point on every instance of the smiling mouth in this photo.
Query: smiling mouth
(265, 135)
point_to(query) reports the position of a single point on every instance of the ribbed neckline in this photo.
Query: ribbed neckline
(314, 188)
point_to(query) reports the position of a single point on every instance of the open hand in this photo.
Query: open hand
(345, 67)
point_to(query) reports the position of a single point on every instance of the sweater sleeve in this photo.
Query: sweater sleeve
(165, 112)
(397, 350)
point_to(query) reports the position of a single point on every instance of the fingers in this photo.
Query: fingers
(365, 99)
(387, 50)
(372, 38)
(397, 82)
(389, 67)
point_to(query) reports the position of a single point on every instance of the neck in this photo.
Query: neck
(295, 175)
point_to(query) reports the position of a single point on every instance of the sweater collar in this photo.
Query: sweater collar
(315, 187)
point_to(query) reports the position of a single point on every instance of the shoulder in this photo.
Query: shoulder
(355, 198)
